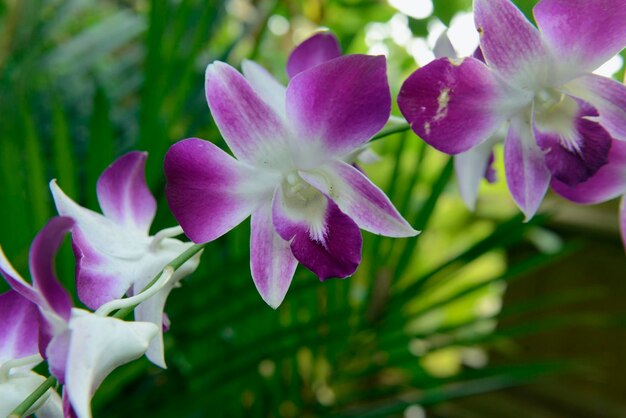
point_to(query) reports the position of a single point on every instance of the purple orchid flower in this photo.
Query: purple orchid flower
(476, 163)
(307, 203)
(608, 183)
(115, 253)
(561, 118)
(19, 353)
(81, 347)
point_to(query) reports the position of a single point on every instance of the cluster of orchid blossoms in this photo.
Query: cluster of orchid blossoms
(295, 173)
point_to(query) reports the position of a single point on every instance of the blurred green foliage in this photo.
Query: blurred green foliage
(83, 81)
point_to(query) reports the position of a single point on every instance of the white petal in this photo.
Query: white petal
(265, 85)
(98, 346)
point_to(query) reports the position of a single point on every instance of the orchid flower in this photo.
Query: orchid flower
(290, 171)
(561, 118)
(81, 347)
(608, 183)
(115, 253)
(19, 353)
(476, 163)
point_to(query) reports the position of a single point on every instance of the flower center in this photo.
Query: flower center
(300, 189)
(556, 113)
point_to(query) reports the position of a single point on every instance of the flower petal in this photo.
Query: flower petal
(271, 261)
(316, 50)
(252, 129)
(527, 175)
(359, 198)
(511, 44)
(443, 47)
(52, 407)
(583, 33)
(98, 346)
(41, 263)
(19, 324)
(608, 183)
(265, 85)
(455, 106)
(606, 95)
(208, 191)
(124, 195)
(18, 283)
(57, 354)
(575, 147)
(322, 238)
(471, 167)
(17, 389)
(152, 309)
(341, 103)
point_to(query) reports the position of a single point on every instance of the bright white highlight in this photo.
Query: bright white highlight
(278, 25)
(612, 66)
(417, 9)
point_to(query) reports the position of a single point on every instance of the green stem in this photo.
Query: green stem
(175, 264)
(27, 403)
(391, 130)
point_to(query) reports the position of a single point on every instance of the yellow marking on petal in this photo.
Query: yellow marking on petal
(442, 101)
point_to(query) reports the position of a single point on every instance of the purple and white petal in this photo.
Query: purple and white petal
(575, 145)
(124, 195)
(252, 129)
(527, 175)
(511, 44)
(208, 191)
(101, 233)
(98, 346)
(17, 282)
(271, 261)
(322, 238)
(471, 167)
(41, 263)
(57, 353)
(316, 50)
(607, 96)
(265, 85)
(359, 198)
(608, 183)
(341, 103)
(582, 33)
(19, 327)
(456, 105)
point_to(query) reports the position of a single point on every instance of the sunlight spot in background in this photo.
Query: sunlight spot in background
(609, 68)
(463, 34)
(278, 25)
(414, 411)
(417, 9)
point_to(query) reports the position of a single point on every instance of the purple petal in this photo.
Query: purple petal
(204, 189)
(453, 106)
(316, 50)
(19, 327)
(622, 219)
(100, 278)
(323, 239)
(265, 85)
(41, 262)
(359, 198)
(124, 195)
(583, 33)
(56, 354)
(252, 129)
(510, 43)
(341, 103)
(16, 281)
(271, 261)
(526, 172)
(606, 95)
(608, 183)
(576, 152)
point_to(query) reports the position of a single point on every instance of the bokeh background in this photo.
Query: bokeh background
(482, 315)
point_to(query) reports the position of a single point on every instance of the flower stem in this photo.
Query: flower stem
(175, 264)
(27, 403)
(391, 130)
